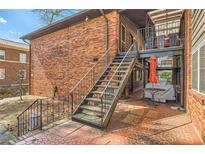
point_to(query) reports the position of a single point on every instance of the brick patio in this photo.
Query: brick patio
(135, 121)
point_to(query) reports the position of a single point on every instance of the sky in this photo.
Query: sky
(16, 23)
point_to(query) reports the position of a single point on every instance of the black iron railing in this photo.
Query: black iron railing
(40, 113)
(86, 83)
(161, 35)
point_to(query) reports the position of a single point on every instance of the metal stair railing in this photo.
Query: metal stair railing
(41, 112)
(105, 94)
(88, 81)
(161, 36)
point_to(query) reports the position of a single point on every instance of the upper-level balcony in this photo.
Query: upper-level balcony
(164, 31)
(161, 36)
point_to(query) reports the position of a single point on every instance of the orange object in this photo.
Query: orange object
(153, 66)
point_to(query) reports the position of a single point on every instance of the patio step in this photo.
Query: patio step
(88, 119)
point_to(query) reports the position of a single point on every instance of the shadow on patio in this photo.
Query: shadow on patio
(135, 121)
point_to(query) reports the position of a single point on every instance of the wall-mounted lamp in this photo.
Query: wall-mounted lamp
(86, 18)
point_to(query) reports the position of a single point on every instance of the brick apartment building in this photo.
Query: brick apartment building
(13, 62)
(63, 52)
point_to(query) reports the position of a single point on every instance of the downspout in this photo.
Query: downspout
(29, 80)
(106, 39)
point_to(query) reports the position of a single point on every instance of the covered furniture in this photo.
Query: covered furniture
(163, 91)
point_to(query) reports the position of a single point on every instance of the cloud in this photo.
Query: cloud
(2, 21)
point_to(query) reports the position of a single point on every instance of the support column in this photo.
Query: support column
(144, 73)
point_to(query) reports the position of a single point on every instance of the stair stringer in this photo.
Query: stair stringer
(83, 100)
(116, 99)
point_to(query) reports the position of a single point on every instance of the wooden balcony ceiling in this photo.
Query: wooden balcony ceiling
(165, 15)
(138, 16)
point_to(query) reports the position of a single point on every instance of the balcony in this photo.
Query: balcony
(161, 36)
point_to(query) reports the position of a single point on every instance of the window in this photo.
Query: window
(22, 74)
(22, 58)
(2, 54)
(123, 37)
(195, 71)
(202, 69)
(198, 69)
(2, 73)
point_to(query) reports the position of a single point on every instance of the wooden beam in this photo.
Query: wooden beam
(167, 68)
(158, 12)
(166, 20)
(167, 16)
(170, 51)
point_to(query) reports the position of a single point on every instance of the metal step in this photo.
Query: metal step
(104, 86)
(93, 120)
(100, 93)
(114, 71)
(91, 112)
(120, 60)
(91, 99)
(112, 81)
(117, 63)
(121, 67)
(91, 108)
(119, 76)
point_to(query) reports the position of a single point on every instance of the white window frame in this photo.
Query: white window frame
(4, 54)
(198, 67)
(121, 42)
(4, 74)
(22, 59)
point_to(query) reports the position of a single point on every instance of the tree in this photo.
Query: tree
(48, 16)
(166, 75)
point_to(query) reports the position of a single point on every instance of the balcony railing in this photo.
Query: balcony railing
(161, 35)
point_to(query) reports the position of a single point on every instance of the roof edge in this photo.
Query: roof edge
(60, 24)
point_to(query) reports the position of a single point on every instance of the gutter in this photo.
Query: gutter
(29, 80)
(106, 39)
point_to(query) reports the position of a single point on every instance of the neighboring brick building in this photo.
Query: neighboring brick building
(63, 52)
(13, 60)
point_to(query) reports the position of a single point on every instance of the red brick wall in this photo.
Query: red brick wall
(195, 102)
(12, 66)
(63, 57)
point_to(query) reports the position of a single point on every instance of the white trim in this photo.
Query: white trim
(198, 46)
(10, 61)
(121, 36)
(4, 54)
(4, 73)
(22, 58)
(197, 49)
(198, 92)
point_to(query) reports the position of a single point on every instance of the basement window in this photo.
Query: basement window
(2, 73)
(198, 69)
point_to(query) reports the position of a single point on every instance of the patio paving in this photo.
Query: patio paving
(135, 121)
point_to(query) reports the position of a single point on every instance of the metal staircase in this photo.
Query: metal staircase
(97, 107)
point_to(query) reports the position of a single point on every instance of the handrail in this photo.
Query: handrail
(117, 69)
(79, 92)
(41, 112)
(101, 96)
(92, 67)
(27, 108)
